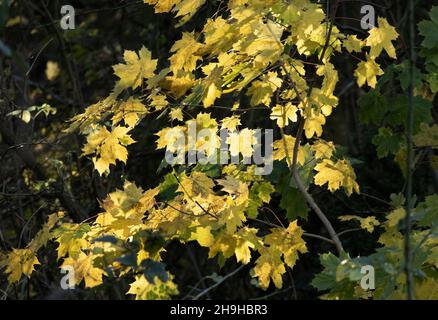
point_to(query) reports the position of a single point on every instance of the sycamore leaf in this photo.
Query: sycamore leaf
(427, 137)
(108, 147)
(203, 236)
(269, 267)
(246, 239)
(336, 174)
(84, 269)
(367, 72)
(380, 38)
(130, 111)
(22, 261)
(231, 123)
(183, 8)
(177, 114)
(429, 29)
(284, 114)
(242, 143)
(353, 44)
(71, 239)
(387, 142)
(138, 67)
(19, 262)
(284, 148)
(313, 124)
(184, 57)
(158, 290)
(323, 149)
(289, 241)
(261, 91)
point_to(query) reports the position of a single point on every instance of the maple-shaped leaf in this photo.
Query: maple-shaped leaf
(185, 57)
(84, 269)
(387, 142)
(108, 147)
(313, 124)
(323, 149)
(197, 184)
(269, 266)
(44, 235)
(130, 111)
(71, 239)
(429, 29)
(231, 123)
(156, 290)
(22, 261)
(353, 44)
(336, 174)
(176, 114)
(138, 67)
(242, 142)
(246, 239)
(261, 91)
(284, 114)
(284, 149)
(289, 241)
(427, 137)
(203, 236)
(380, 39)
(19, 262)
(367, 72)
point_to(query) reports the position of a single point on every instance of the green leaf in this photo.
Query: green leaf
(373, 107)
(429, 210)
(387, 142)
(168, 187)
(292, 200)
(152, 269)
(429, 29)
(259, 193)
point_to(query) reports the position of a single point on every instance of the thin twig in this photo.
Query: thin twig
(218, 283)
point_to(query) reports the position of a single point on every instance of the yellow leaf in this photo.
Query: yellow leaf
(269, 267)
(196, 184)
(44, 234)
(184, 57)
(108, 147)
(19, 262)
(367, 223)
(261, 91)
(138, 67)
(231, 123)
(323, 149)
(336, 175)
(289, 241)
(84, 270)
(246, 239)
(367, 72)
(203, 236)
(176, 114)
(131, 111)
(313, 124)
(284, 114)
(242, 143)
(159, 290)
(353, 44)
(280, 150)
(380, 38)
(71, 239)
